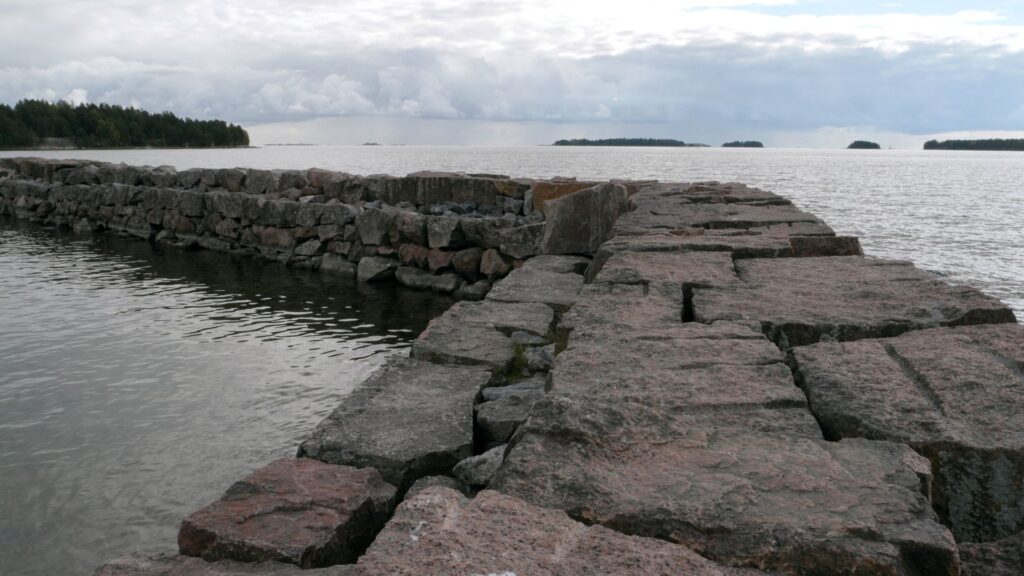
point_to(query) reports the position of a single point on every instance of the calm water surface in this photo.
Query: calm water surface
(137, 383)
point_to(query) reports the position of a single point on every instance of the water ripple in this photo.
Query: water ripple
(137, 383)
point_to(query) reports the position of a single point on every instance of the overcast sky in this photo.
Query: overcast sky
(788, 72)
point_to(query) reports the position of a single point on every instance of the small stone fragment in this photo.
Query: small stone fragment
(376, 269)
(535, 383)
(467, 262)
(493, 264)
(473, 292)
(439, 259)
(477, 470)
(423, 280)
(413, 255)
(443, 231)
(335, 264)
(434, 481)
(500, 417)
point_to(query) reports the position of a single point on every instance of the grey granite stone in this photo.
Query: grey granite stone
(410, 419)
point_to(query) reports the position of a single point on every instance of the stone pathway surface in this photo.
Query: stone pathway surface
(954, 395)
(736, 390)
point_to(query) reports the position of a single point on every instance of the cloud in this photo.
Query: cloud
(695, 67)
(77, 97)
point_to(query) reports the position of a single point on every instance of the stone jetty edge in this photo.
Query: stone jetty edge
(640, 378)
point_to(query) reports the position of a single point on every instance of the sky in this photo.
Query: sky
(786, 72)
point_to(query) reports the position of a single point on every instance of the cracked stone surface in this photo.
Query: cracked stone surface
(751, 487)
(954, 394)
(692, 269)
(408, 420)
(805, 300)
(478, 470)
(439, 531)
(478, 333)
(536, 284)
(623, 311)
(659, 373)
(558, 264)
(710, 192)
(298, 511)
(499, 418)
(671, 214)
(1002, 558)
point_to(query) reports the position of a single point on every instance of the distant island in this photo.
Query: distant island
(863, 145)
(41, 124)
(743, 144)
(991, 144)
(666, 142)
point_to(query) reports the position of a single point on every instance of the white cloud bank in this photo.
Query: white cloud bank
(692, 69)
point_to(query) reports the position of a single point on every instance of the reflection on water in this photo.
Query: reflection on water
(136, 383)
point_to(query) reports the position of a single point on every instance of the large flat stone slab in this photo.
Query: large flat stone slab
(742, 487)
(297, 511)
(620, 312)
(440, 531)
(954, 395)
(675, 214)
(187, 566)
(478, 333)
(536, 284)
(558, 264)
(695, 240)
(682, 269)
(801, 301)
(408, 420)
(1002, 558)
(781, 241)
(684, 374)
(711, 192)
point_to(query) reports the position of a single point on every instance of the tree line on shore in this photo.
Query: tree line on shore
(660, 142)
(38, 123)
(991, 144)
(996, 144)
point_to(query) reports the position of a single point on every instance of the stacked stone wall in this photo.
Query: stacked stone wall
(431, 230)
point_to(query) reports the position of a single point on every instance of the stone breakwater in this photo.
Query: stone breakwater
(451, 233)
(721, 386)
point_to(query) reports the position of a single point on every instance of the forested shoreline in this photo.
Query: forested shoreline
(40, 124)
(991, 144)
(625, 142)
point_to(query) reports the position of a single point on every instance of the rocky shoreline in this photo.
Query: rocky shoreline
(670, 379)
